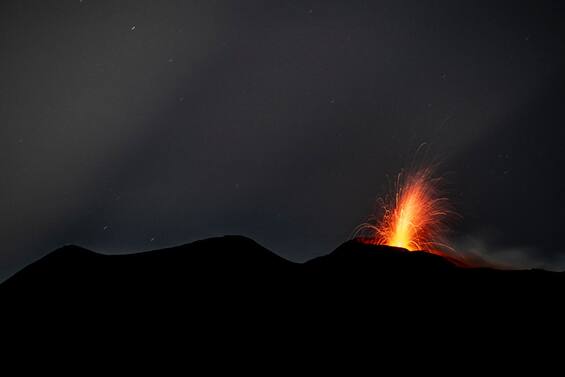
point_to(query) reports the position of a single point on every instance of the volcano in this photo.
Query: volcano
(237, 269)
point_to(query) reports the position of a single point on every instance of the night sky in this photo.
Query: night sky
(136, 125)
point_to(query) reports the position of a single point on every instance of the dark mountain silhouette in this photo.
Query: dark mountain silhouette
(234, 268)
(229, 295)
(231, 287)
(73, 272)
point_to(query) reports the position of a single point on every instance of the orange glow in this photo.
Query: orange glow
(415, 218)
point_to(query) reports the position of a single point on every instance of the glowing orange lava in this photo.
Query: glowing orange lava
(415, 218)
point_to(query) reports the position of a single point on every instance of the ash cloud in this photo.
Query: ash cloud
(487, 254)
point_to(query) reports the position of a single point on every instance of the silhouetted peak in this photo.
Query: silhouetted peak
(71, 251)
(361, 255)
(227, 249)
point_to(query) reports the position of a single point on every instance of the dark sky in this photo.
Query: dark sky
(135, 125)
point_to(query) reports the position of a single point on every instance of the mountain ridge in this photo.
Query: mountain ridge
(230, 267)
